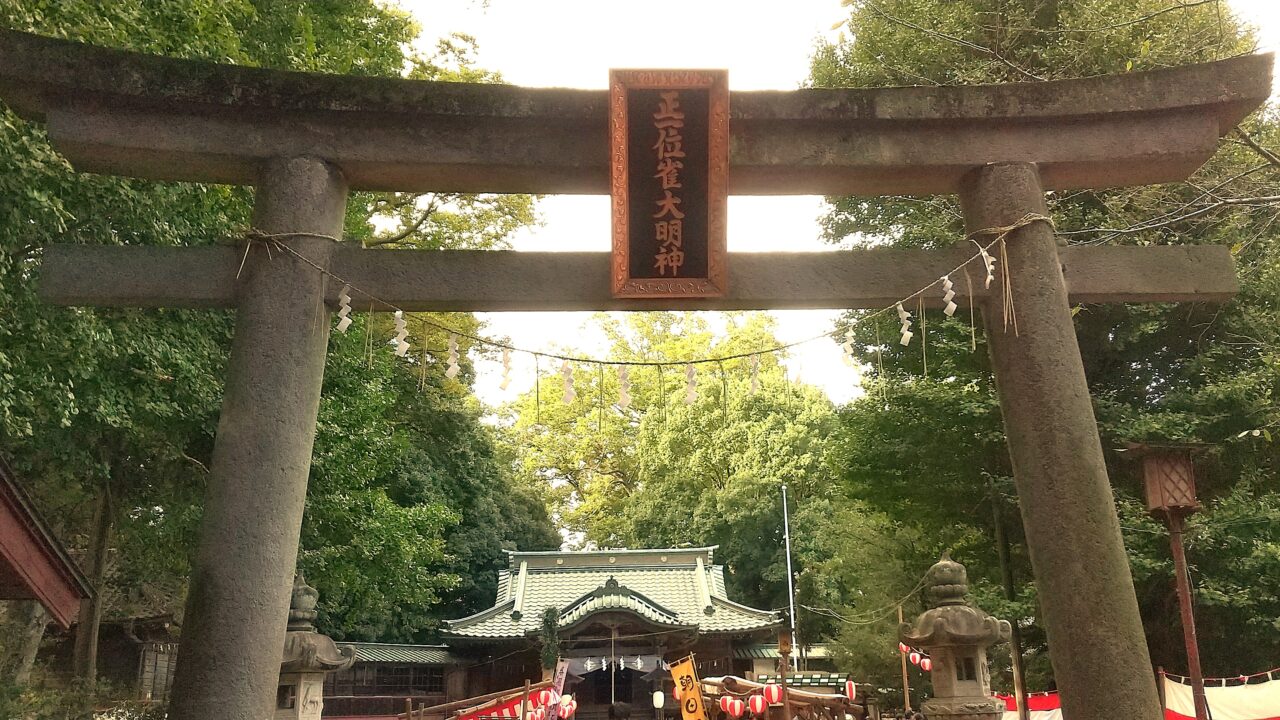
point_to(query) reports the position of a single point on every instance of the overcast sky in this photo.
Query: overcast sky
(574, 43)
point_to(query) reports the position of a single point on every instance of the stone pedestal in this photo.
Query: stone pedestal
(308, 658)
(956, 636)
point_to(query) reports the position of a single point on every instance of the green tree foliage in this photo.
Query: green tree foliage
(663, 473)
(927, 450)
(408, 508)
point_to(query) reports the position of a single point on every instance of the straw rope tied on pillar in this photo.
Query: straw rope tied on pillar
(1000, 234)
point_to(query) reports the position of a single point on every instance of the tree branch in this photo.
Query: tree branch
(1259, 201)
(411, 229)
(1117, 25)
(1268, 155)
(953, 39)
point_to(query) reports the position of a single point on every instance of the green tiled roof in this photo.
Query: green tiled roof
(677, 587)
(769, 651)
(397, 653)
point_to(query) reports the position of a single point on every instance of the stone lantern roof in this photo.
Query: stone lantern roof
(305, 650)
(950, 619)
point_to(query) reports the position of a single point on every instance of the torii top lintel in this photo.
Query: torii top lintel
(147, 116)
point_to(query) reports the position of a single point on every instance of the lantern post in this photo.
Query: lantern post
(1169, 479)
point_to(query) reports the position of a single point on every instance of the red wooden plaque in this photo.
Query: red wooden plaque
(669, 165)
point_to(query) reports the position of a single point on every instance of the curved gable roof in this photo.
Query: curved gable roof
(613, 597)
(672, 587)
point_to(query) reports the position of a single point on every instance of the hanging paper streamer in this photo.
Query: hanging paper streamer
(452, 371)
(566, 372)
(690, 385)
(948, 292)
(506, 369)
(990, 262)
(905, 317)
(402, 332)
(846, 348)
(624, 387)
(344, 308)
(401, 344)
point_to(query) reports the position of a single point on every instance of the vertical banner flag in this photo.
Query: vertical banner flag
(562, 672)
(669, 166)
(686, 677)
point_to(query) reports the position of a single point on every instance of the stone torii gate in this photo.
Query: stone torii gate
(305, 140)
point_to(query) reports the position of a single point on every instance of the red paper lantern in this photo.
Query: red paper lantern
(926, 664)
(569, 709)
(851, 690)
(548, 697)
(902, 648)
(736, 708)
(539, 714)
(757, 704)
(772, 693)
(724, 702)
(914, 657)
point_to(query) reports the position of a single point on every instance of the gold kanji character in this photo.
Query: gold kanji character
(670, 143)
(670, 259)
(669, 113)
(669, 232)
(667, 206)
(669, 173)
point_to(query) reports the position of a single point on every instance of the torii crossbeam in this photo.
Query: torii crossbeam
(304, 140)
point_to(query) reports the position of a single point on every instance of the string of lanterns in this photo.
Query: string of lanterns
(400, 340)
(916, 656)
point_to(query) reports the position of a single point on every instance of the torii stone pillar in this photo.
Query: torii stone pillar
(1099, 650)
(243, 575)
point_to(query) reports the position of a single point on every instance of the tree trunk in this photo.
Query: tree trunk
(86, 650)
(34, 621)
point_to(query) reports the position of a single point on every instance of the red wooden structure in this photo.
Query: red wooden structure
(33, 564)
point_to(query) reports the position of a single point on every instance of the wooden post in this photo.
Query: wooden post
(1096, 641)
(524, 701)
(784, 653)
(1183, 583)
(408, 709)
(906, 681)
(238, 606)
(1006, 573)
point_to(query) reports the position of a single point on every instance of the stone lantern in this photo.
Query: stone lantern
(956, 636)
(308, 658)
